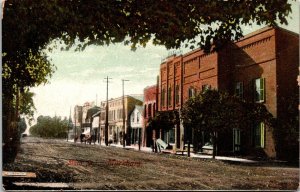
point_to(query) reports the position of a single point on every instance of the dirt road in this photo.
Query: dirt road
(98, 167)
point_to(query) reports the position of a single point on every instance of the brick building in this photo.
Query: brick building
(150, 107)
(261, 67)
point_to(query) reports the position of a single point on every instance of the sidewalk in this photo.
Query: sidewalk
(194, 155)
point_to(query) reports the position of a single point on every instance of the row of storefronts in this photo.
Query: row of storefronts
(261, 67)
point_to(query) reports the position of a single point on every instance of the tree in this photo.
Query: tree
(216, 112)
(53, 127)
(29, 26)
(163, 120)
(286, 130)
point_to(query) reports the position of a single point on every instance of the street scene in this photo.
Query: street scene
(150, 95)
(83, 166)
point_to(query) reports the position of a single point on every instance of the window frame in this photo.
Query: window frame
(259, 135)
(170, 96)
(192, 92)
(177, 94)
(239, 89)
(261, 90)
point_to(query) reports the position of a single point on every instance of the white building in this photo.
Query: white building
(136, 124)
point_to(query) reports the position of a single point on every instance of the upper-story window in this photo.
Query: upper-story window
(163, 92)
(169, 96)
(145, 111)
(239, 89)
(132, 118)
(192, 92)
(154, 109)
(206, 87)
(177, 94)
(259, 90)
(149, 110)
(138, 117)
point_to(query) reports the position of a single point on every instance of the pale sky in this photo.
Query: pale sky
(80, 75)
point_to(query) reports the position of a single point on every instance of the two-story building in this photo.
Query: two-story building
(115, 117)
(261, 67)
(136, 125)
(150, 108)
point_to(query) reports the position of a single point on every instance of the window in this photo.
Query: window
(259, 135)
(177, 94)
(191, 92)
(206, 87)
(239, 89)
(154, 109)
(145, 111)
(259, 90)
(138, 117)
(236, 140)
(163, 97)
(172, 135)
(169, 96)
(149, 110)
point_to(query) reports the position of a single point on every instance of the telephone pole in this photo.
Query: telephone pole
(69, 125)
(123, 101)
(75, 131)
(106, 114)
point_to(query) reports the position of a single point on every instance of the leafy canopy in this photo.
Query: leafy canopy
(50, 127)
(216, 111)
(30, 25)
(33, 24)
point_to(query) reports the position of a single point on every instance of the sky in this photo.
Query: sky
(80, 76)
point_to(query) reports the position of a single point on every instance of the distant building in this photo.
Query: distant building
(77, 120)
(150, 108)
(115, 117)
(136, 125)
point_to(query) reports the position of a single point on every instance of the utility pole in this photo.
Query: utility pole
(123, 101)
(69, 125)
(106, 114)
(75, 132)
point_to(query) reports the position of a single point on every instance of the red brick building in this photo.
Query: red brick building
(150, 107)
(261, 67)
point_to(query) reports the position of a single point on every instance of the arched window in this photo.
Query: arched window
(149, 110)
(154, 109)
(192, 92)
(163, 92)
(138, 117)
(177, 94)
(170, 96)
(145, 111)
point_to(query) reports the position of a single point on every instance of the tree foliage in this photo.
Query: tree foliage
(217, 112)
(166, 22)
(46, 126)
(165, 120)
(287, 130)
(29, 26)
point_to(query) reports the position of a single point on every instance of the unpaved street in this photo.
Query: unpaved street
(98, 167)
